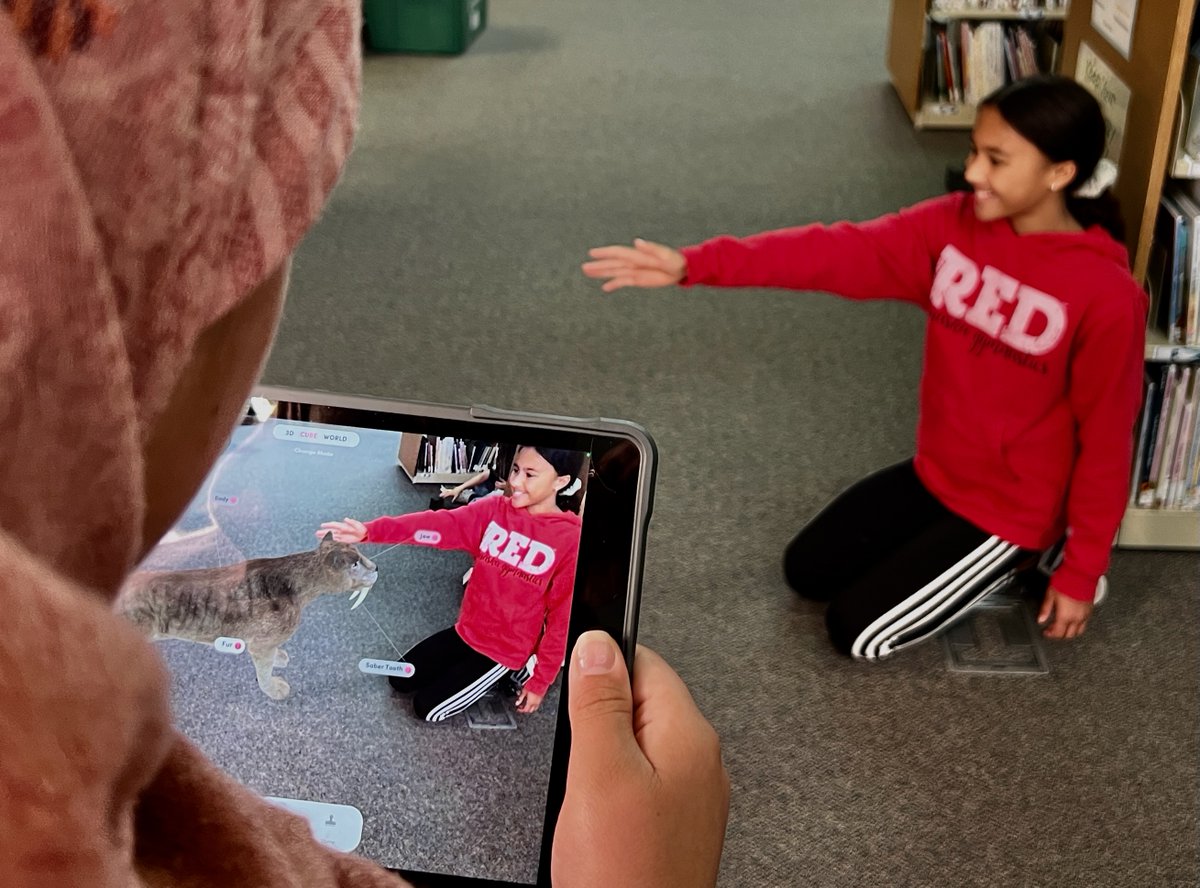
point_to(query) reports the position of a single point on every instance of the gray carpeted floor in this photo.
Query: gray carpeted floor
(446, 269)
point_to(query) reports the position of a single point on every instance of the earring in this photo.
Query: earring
(1054, 186)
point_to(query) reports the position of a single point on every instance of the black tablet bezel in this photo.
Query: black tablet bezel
(612, 543)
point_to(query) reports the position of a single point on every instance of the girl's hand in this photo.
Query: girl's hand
(447, 492)
(1063, 616)
(645, 264)
(528, 701)
(347, 530)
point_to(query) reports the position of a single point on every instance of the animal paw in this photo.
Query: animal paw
(281, 658)
(277, 689)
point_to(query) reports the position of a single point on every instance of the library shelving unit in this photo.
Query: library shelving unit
(408, 458)
(1154, 74)
(908, 44)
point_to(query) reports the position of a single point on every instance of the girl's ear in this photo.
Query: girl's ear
(1063, 173)
(561, 482)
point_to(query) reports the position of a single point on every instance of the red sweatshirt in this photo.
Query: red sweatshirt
(523, 577)
(1033, 360)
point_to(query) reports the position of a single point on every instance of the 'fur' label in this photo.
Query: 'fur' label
(386, 667)
(227, 645)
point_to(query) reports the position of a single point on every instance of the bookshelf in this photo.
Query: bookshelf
(423, 469)
(912, 39)
(1154, 75)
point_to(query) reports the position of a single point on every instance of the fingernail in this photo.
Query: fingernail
(596, 652)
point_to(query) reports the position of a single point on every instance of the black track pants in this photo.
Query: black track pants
(449, 676)
(895, 565)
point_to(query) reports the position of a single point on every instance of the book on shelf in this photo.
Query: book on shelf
(1176, 246)
(1166, 472)
(1167, 270)
(1144, 433)
(954, 63)
(941, 90)
(1186, 156)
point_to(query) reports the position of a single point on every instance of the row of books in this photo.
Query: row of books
(965, 61)
(1173, 271)
(1032, 7)
(1166, 472)
(455, 455)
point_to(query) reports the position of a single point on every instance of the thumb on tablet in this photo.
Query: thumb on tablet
(601, 704)
(646, 808)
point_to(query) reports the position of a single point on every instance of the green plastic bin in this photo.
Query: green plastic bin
(444, 26)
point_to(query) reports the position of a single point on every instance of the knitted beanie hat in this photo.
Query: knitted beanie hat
(160, 159)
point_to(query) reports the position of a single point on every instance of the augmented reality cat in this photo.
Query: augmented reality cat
(259, 601)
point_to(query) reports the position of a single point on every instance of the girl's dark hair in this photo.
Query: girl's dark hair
(1064, 121)
(565, 462)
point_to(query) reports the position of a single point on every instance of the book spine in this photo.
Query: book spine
(1180, 282)
(1139, 454)
(1179, 468)
(1191, 481)
(1157, 433)
(1170, 433)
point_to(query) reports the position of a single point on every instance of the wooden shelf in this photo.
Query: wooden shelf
(1185, 167)
(1159, 529)
(437, 477)
(1159, 351)
(941, 115)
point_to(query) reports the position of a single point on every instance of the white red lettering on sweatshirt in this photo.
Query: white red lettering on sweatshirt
(514, 548)
(1036, 322)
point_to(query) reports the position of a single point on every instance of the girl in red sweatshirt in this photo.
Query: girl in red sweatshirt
(517, 603)
(1031, 382)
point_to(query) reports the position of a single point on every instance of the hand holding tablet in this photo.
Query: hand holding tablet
(647, 794)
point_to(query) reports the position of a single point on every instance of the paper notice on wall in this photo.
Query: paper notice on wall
(1113, 20)
(1112, 93)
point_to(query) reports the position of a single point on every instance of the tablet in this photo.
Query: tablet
(375, 687)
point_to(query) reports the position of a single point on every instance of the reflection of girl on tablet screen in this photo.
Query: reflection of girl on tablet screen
(525, 547)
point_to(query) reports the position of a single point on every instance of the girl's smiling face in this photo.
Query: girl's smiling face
(1014, 180)
(534, 483)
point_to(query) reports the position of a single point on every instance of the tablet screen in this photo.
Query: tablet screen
(400, 689)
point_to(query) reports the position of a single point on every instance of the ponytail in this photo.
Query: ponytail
(1104, 211)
